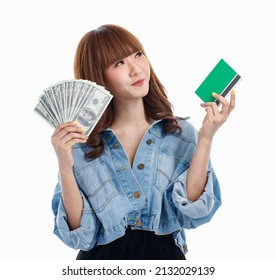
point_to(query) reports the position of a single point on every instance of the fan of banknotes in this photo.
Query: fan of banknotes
(73, 100)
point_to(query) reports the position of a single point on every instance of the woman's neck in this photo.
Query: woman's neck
(130, 114)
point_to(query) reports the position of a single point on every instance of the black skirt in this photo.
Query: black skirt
(136, 245)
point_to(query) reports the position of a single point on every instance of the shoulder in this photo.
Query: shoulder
(80, 150)
(79, 147)
(189, 132)
(82, 162)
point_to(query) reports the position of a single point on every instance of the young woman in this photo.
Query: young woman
(143, 176)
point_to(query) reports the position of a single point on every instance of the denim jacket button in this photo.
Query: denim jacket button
(137, 194)
(139, 223)
(149, 141)
(141, 166)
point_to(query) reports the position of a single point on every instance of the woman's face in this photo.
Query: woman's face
(129, 78)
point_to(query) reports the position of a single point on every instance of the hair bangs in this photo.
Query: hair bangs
(115, 44)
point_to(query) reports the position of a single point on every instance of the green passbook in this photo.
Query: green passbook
(222, 79)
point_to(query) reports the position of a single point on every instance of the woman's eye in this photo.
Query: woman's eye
(139, 54)
(119, 63)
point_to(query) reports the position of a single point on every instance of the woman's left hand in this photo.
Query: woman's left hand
(215, 117)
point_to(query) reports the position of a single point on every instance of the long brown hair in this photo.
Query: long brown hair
(97, 50)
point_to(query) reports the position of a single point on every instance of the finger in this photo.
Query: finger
(73, 136)
(213, 106)
(210, 113)
(220, 98)
(66, 130)
(70, 129)
(63, 125)
(226, 106)
(232, 101)
(74, 141)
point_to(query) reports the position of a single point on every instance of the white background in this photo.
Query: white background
(183, 40)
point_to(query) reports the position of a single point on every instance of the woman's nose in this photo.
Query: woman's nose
(134, 69)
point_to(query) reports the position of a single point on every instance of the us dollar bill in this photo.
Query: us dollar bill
(91, 111)
(73, 100)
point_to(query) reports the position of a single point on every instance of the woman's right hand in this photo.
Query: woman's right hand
(64, 138)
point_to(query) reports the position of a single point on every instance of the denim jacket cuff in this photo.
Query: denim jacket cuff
(199, 208)
(83, 237)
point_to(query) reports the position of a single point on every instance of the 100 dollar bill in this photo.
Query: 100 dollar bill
(73, 100)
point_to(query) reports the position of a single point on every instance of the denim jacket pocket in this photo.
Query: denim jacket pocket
(163, 174)
(95, 181)
(170, 165)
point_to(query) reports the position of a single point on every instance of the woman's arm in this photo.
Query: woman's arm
(197, 173)
(63, 139)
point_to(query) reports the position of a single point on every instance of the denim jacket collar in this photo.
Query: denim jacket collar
(153, 129)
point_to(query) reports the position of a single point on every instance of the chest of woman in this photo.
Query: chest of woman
(112, 185)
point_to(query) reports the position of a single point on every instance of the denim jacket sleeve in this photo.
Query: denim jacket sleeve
(194, 214)
(84, 237)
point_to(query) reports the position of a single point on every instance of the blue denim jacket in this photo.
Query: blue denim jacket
(151, 195)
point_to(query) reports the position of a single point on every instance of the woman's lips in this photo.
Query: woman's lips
(138, 83)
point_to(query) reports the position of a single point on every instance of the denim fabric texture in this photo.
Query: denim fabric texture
(150, 195)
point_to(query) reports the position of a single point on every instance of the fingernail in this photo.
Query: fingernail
(233, 92)
(213, 93)
(75, 122)
(83, 129)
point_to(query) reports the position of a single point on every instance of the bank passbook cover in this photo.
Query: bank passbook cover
(222, 79)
